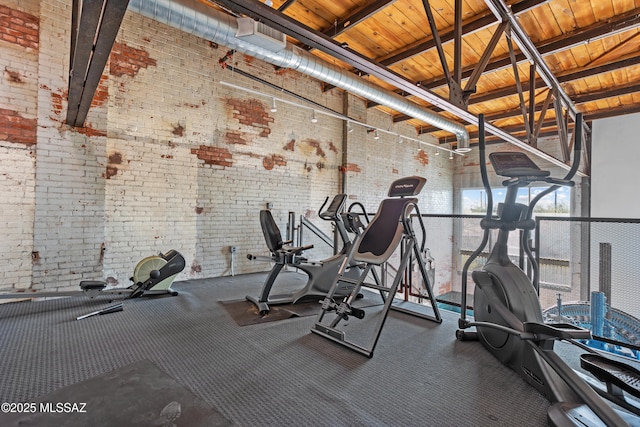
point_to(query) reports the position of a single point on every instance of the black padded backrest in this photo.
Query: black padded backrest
(383, 234)
(271, 232)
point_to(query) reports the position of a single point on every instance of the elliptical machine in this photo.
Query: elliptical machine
(507, 313)
(320, 273)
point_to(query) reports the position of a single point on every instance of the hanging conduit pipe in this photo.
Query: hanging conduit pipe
(196, 18)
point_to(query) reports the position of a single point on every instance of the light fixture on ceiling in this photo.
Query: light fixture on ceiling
(376, 135)
(349, 127)
(274, 107)
(314, 119)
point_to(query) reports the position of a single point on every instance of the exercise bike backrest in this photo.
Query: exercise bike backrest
(271, 231)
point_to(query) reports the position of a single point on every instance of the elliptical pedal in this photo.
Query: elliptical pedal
(612, 372)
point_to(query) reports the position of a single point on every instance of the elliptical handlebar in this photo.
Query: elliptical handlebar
(488, 218)
(577, 150)
(567, 182)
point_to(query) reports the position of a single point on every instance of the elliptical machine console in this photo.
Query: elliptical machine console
(507, 314)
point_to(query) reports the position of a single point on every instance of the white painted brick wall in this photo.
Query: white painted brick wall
(91, 225)
(17, 162)
(17, 183)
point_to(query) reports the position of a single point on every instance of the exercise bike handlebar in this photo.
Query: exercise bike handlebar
(334, 209)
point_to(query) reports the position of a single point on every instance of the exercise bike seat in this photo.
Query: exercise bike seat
(86, 285)
(612, 372)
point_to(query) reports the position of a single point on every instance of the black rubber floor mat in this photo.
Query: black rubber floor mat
(246, 313)
(139, 394)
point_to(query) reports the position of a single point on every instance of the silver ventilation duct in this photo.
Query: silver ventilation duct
(246, 36)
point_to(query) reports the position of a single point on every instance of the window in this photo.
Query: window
(474, 201)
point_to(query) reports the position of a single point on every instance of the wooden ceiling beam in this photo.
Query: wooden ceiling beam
(548, 126)
(343, 24)
(368, 10)
(615, 24)
(469, 26)
(609, 27)
(606, 93)
(562, 78)
(577, 99)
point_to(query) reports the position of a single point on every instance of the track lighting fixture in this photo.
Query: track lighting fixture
(350, 122)
(349, 127)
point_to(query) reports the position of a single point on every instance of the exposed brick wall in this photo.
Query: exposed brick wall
(170, 159)
(16, 128)
(213, 155)
(251, 112)
(19, 50)
(20, 28)
(127, 60)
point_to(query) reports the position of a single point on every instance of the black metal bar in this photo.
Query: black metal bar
(82, 36)
(564, 42)
(90, 59)
(604, 270)
(532, 102)
(438, 43)
(484, 60)
(516, 74)
(543, 113)
(457, 43)
(284, 6)
(562, 130)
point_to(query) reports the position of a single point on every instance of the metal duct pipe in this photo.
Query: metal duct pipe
(208, 23)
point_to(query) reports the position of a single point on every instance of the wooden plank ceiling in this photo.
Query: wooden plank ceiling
(592, 47)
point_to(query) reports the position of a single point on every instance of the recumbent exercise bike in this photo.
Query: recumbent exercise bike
(320, 273)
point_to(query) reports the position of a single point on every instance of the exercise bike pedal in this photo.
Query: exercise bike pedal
(358, 313)
(612, 372)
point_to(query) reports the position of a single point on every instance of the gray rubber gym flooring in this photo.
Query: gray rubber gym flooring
(188, 349)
